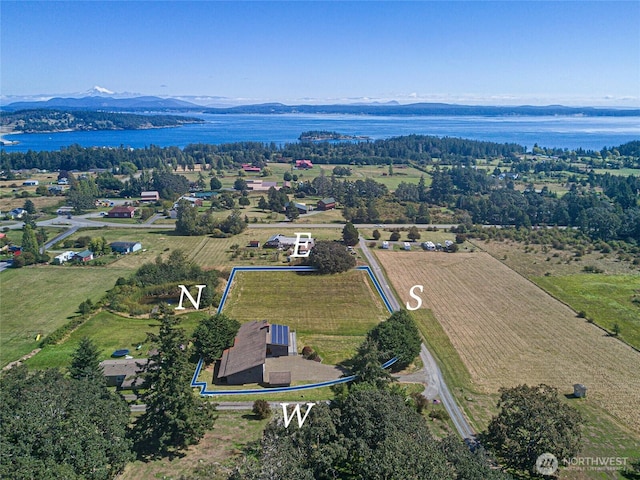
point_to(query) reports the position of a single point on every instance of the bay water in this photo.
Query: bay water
(570, 132)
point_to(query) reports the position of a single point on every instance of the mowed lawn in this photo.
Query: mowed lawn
(606, 299)
(37, 300)
(329, 313)
(110, 332)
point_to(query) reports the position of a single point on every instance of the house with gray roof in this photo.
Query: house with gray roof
(125, 247)
(244, 362)
(124, 373)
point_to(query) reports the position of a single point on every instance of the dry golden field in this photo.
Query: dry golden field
(508, 331)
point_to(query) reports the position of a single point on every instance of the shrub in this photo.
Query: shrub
(261, 409)
(592, 269)
(438, 414)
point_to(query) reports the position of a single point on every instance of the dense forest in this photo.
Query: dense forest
(602, 206)
(44, 120)
(400, 150)
(420, 150)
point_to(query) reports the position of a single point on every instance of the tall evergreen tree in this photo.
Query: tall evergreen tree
(213, 335)
(85, 362)
(350, 234)
(175, 417)
(29, 241)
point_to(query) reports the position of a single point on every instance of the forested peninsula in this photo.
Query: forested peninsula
(46, 120)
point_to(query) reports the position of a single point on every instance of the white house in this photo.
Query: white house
(30, 183)
(64, 257)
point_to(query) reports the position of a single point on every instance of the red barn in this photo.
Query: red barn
(327, 204)
(304, 164)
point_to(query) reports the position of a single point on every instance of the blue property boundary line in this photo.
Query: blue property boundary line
(210, 393)
(203, 385)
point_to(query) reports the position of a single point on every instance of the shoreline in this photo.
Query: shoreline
(8, 131)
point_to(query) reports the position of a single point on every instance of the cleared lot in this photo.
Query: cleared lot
(508, 331)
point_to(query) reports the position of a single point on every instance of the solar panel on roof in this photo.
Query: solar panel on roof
(279, 335)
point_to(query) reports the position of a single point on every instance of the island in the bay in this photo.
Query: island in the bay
(48, 121)
(323, 136)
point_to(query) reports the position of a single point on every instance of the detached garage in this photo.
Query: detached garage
(125, 247)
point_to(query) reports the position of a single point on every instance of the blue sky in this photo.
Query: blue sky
(482, 52)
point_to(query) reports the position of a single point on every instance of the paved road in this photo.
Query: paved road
(232, 406)
(302, 226)
(61, 236)
(377, 270)
(436, 385)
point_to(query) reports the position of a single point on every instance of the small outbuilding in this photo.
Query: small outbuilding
(279, 379)
(579, 390)
(30, 183)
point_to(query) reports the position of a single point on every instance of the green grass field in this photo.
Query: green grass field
(110, 332)
(330, 313)
(206, 251)
(606, 299)
(37, 300)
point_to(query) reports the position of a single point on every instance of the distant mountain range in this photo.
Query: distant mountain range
(102, 99)
(103, 102)
(424, 109)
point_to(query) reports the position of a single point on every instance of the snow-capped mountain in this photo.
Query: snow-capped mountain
(97, 91)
